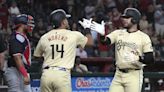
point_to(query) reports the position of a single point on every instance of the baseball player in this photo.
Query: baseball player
(17, 77)
(58, 47)
(133, 48)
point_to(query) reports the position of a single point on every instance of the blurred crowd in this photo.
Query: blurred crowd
(152, 21)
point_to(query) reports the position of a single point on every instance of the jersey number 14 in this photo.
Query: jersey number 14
(57, 50)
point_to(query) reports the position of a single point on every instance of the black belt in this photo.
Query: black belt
(126, 70)
(59, 68)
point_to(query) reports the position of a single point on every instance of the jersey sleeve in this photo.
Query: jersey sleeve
(112, 36)
(2, 45)
(81, 39)
(147, 44)
(39, 49)
(16, 45)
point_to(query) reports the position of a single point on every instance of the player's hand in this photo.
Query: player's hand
(100, 28)
(27, 80)
(86, 23)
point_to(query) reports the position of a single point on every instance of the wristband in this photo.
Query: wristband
(86, 31)
(23, 71)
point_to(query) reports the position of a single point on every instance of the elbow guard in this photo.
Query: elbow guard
(148, 58)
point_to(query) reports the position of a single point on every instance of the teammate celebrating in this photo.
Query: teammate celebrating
(133, 48)
(16, 75)
(58, 47)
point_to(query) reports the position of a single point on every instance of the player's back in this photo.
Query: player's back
(59, 47)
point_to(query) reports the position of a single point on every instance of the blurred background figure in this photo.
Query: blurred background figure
(159, 20)
(144, 23)
(13, 12)
(80, 68)
(4, 15)
(80, 52)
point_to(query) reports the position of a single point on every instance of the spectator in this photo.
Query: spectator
(160, 49)
(39, 30)
(80, 68)
(143, 24)
(116, 20)
(13, 12)
(4, 16)
(13, 9)
(159, 20)
(89, 10)
(74, 27)
(150, 13)
(81, 52)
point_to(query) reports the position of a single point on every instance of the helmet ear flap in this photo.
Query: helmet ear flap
(134, 21)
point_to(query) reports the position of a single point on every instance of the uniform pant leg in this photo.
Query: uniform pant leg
(55, 81)
(63, 81)
(27, 88)
(134, 82)
(13, 80)
(116, 85)
(45, 83)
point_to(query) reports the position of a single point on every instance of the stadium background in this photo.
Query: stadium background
(99, 59)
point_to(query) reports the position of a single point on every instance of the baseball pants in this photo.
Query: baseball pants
(56, 80)
(127, 82)
(15, 81)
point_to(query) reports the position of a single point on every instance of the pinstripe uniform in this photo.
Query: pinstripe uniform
(128, 48)
(58, 47)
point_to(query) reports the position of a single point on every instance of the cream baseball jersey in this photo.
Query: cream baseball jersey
(129, 46)
(58, 47)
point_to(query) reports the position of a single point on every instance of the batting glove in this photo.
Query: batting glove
(100, 28)
(86, 23)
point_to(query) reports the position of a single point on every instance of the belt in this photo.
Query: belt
(126, 70)
(56, 67)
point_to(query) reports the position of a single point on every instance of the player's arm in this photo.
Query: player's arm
(38, 51)
(147, 58)
(21, 68)
(89, 36)
(86, 30)
(16, 49)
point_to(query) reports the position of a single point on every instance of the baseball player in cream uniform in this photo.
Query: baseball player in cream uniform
(133, 50)
(58, 47)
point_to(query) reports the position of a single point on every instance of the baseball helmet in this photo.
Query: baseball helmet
(26, 20)
(134, 13)
(57, 16)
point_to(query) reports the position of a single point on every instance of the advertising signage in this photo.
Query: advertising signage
(82, 84)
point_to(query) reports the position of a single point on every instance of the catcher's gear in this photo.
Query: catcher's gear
(134, 13)
(26, 20)
(57, 16)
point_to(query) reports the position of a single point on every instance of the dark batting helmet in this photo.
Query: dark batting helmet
(26, 20)
(133, 13)
(57, 16)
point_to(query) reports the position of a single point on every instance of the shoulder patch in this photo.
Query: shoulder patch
(20, 38)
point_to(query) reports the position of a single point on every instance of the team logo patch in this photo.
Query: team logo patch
(20, 38)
